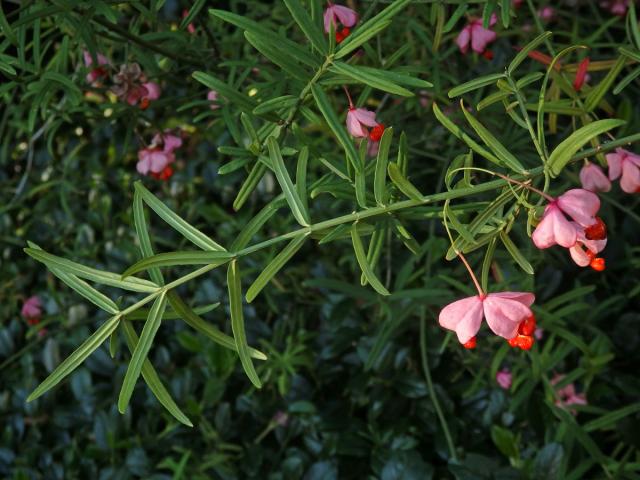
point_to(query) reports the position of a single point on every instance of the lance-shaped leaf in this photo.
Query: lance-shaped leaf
(256, 223)
(140, 222)
(504, 155)
(274, 267)
(375, 249)
(371, 27)
(522, 54)
(192, 318)
(516, 253)
(255, 175)
(306, 24)
(371, 78)
(380, 176)
(241, 100)
(106, 278)
(87, 291)
(143, 313)
(141, 351)
(475, 84)
(77, 357)
(276, 54)
(153, 380)
(188, 231)
(171, 259)
(568, 147)
(361, 257)
(596, 95)
(402, 183)
(237, 323)
(282, 175)
(278, 103)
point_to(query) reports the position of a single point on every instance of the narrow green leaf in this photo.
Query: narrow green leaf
(188, 231)
(457, 15)
(336, 127)
(610, 419)
(192, 318)
(462, 135)
(375, 249)
(522, 54)
(403, 159)
(380, 178)
(237, 323)
(404, 185)
(255, 175)
(191, 14)
(87, 291)
(153, 380)
(370, 78)
(254, 225)
(98, 276)
(567, 148)
(475, 84)
(239, 99)
(301, 176)
(505, 156)
(595, 96)
(361, 256)
(274, 267)
(170, 259)
(306, 24)
(371, 28)
(282, 175)
(505, 12)
(516, 253)
(142, 231)
(77, 357)
(6, 28)
(141, 351)
(277, 55)
(635, 73)
(268, 106)
(398, 77)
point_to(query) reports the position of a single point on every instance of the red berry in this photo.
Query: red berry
(598, 264)
(470, 344)
(376, 132)
(144, 103)
(488, 54)
(342, 34)
(597, 231)
(513, 342)
(527, 326)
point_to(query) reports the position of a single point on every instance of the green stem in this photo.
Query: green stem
(432, 392)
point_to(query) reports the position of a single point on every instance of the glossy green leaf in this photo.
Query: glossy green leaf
(306, 24)
(595, 96)
(382, 160)
(516, 253)
(567, 148)
(274, 266)
(153, 380)
(522, 54)
(301, 176)
(242, 101)
(370, 78)
(141, 351)
(171, 259)
(290, 192)
(140, 222)
(77, 357)
(192, 318)
(475, 84)
(237, 323)
(404, 185)
(361, 257)
(268, 106)
(87, 291)
(188, 231)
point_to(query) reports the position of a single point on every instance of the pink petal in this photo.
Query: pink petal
(554, 229)
(463, 39)
(524, 298)
(463, 316)
(143, 165)
(345, 15)
(354, 126)
(366, 117)
(504, 315)
(480, 37)
(593, 178)
(32, 307)
(504, 378)
(171, 142)
(579, 255)
(633, 158)
(153, 90)
(329, 17)
(88, 61)
(630, 180)
(595, 246)
(159, 160)
(615, 164)
(580, 204)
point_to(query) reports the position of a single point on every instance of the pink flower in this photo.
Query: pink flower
(156, 158)
(131, 86)
(31, 308)
(581, 74)
(547, 13)
(584, 251)
(153, 90)
(626, 164)
(95, 74)
(567, 395)
(504, 379)
(476, 35)
(617, 7)
(338, 13)
(358, 119)
(593, 178)
(191, 27)
(538, 333)
(554, 228)
(212, 96)
(504, 312)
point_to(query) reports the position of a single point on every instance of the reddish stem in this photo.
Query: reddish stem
(473, 277)
(526, 185)
(351, 107)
